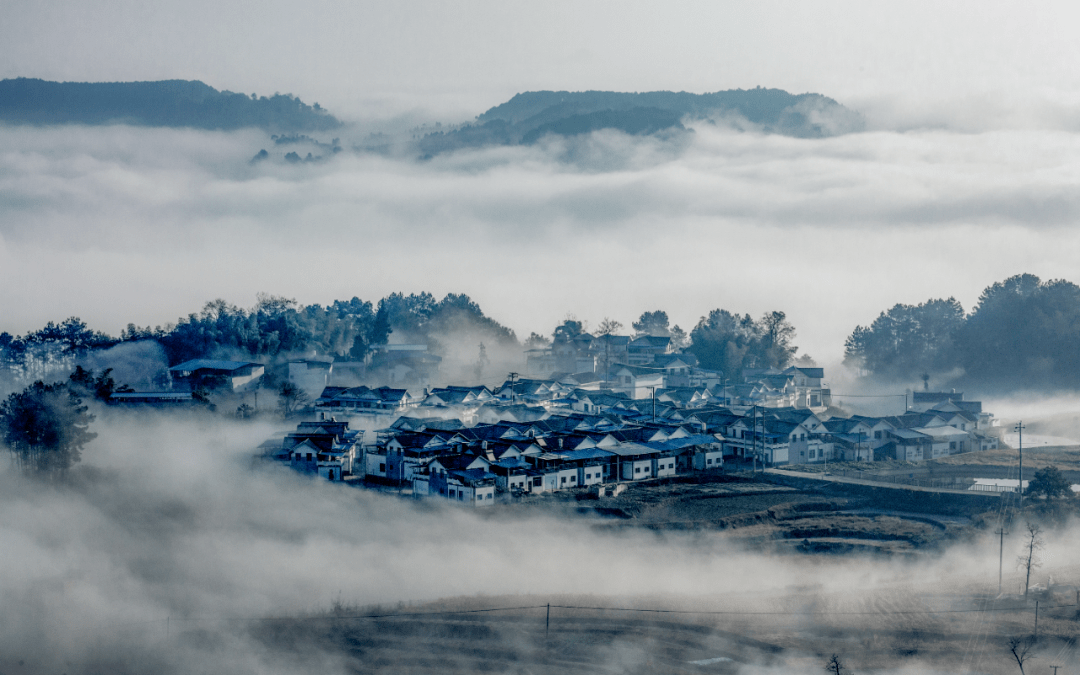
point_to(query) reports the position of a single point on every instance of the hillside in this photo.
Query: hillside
(168, 103)
(527, 117)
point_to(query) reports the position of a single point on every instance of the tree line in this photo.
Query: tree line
(1022, 333)
(275, 326)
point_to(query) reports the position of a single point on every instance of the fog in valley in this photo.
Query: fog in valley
(168, 540)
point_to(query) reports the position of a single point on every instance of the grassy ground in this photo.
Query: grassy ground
(1066, 459)
(922, 627)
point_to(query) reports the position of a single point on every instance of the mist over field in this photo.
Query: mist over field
(167, 534)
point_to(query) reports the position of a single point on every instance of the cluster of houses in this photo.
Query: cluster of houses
(472, 445)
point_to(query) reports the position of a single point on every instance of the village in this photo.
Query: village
(634, 409)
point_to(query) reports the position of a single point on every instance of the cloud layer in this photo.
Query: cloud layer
(119, 225)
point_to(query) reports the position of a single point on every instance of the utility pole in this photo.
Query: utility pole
(726, 404)
(1020, 429)
(652, 393)
(1001, 554)
(1036, 619)
(512, 397)
(547, 621)
(753, 438)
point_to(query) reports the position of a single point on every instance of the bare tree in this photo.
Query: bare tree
(1020, 648)
(835, 666)
(608, 327)
(1029, 560)
(291, 398)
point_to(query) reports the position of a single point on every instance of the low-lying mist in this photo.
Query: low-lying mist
(168, 522)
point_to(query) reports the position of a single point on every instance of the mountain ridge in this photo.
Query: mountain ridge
(158, 103)
(528, 116)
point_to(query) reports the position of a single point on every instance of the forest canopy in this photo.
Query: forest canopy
(1022, 333)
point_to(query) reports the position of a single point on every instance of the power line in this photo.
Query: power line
(644, 610)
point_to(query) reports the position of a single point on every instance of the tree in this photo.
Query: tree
(1050, 482)
(568, 330)
(907, 339)
(482, 361)
(652, 323)
(679, 338)
(835, 666)
(729, 343)
(537, 341)
(1020, 648)
(1029, 560)
(45, 427)
(775, 345)
(291, 397)
(101, 387)
(609, 327)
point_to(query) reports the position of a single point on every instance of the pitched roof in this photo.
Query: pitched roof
(211, 364)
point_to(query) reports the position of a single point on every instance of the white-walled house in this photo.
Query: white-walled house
(636, 381)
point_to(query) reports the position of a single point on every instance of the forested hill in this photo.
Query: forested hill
(168, 103)
(774, 109)
(528, 116)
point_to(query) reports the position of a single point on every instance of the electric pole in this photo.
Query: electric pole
(512, 397)
(1001, 554)
(1019, 428)
(652, 393)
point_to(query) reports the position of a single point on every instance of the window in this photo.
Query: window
(877, 434)
(382, 467)
(488, 496)
(573, 479)
(708, 461)
(637, 469)
(671, 465)
(538, 481)
(564, 479)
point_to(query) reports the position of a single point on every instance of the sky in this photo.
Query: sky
(965, 176)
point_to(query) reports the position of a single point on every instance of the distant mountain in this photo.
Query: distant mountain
(527, 117)
(168, 103)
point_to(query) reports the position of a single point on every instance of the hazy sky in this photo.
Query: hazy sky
(966, 176)
(438, 54)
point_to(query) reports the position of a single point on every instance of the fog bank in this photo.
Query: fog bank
(120, 225)
(167, 520)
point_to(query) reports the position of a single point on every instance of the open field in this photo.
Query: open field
(1065, 458)
(927, 628)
